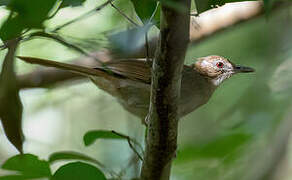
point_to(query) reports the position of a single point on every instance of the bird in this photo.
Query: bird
(129, 80)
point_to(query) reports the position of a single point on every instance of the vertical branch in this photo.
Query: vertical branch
(165, 91)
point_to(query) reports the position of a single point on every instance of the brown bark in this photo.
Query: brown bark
(163, 118)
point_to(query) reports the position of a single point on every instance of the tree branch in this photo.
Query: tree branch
(219, 19)
(163, 118)
(130, 140)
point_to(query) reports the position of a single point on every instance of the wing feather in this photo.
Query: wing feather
(136, 69)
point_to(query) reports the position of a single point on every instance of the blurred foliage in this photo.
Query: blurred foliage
(129, 41)
(4, 3)
(222, 140)
(11, 106)
(32, 13)
(77, 171)
(70, 155)
(11, 28)
(146, 13)
(28, 165)
(25, 14)
(254, 106)
(204, 5)
(72, 3)
(217, 148)
(91, 136)
(142, 12)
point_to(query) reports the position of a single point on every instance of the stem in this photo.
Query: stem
(165, 92)
(130, 140)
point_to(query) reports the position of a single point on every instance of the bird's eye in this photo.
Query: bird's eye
(220, 64)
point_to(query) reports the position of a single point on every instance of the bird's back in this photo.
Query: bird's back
(129, 81)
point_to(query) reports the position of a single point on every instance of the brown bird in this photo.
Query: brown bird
(129, 80)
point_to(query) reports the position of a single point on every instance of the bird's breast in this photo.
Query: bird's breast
(196, 90)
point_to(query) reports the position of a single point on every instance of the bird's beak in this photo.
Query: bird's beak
(242, 69)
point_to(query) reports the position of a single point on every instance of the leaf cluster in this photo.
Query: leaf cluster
(29, 14)
(29, 166)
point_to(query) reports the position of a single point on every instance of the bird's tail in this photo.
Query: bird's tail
(85, 71)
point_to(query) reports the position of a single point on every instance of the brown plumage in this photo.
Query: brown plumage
(136, 69)
(129, 80)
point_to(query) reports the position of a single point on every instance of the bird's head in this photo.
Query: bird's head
(217, 68)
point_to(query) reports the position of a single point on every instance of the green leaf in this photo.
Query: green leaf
(28, 165)
(72, 3)
(10, 103)
(11, 28)
(13, 177)
(204, 5)
(144, 8)
(70, 155)
(24, 14)
(78, 171)
(91, 136)
(268, 4)
(32, 12)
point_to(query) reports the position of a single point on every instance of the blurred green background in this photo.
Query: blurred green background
(233, 136)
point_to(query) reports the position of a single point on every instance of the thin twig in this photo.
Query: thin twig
(124, 15)
(65, 43)
(130, 140)
(147, 50)
(59, 40)
(146, 36)
(83, 16)
(3, 46)
(133, 140)
(154, 12)
(132, 161)
(58, 7)
(137, 25)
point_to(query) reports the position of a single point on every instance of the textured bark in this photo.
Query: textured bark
(163, 118)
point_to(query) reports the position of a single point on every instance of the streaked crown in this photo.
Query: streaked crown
(217, 68)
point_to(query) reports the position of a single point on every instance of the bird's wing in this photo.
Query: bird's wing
(136, 69)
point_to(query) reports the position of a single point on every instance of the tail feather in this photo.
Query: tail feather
(85, 71)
